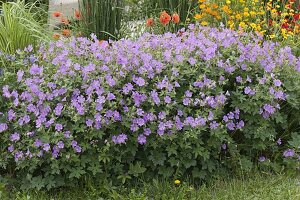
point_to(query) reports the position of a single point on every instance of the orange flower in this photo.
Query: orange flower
(149, 22)
(164, 18)
(101, 42)
(66, 32)
(64, 21)
(56, 36)
(77, 14)
(175, 18)
(56, 14)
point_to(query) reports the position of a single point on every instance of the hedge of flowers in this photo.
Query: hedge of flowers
(199, 103)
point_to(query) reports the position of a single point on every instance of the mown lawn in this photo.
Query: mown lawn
(258, 187)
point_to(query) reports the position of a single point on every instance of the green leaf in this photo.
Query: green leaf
(136, 169)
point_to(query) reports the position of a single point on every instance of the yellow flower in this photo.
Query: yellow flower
(238, 16)
(272, 36)
(253, 25)
(204, 23)
(198, 16)
(252, 13)
(202, 6)
(228, 2)
(202, 1)
(218, 17)
(246, 14)
(214, 6)
(242, 25)
(177, 182)
(226, 9)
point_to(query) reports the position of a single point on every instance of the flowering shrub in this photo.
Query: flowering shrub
(199, 103)
(274, 19)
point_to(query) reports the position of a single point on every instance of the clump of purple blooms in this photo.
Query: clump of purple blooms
(124, 91)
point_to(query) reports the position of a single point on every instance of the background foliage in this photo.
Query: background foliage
(102, 18)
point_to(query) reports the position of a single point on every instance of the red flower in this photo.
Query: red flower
(297, 16)
(66, 32)
(164, 18)
(64, 21)
(175, 18)
(56, 14)
(270, 22)
(56, 36)
(285, 25)
(77, 14)
(149, 22)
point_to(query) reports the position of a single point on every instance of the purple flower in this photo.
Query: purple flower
(110, 81)
(277, 83)
(3, 127)
(248, 90)
(147, 131)
(60, 144)
(224, 146)
(289, 153)
(240, 124)
(19, 155)
(20, 75)
(58, 127)
(11, 148)
(35, 69)
(279, 95)
(77, 149)
(38, 143)
(279, 141)
(213, 125)
(262, 159)
(139, 81)
(89, 122)
(140, 112)
(58, 109)
(46, 147)
(239, 79)
(188, 93)
(14, 137)
(142, 139)
(186, 101)
(167, 99)
(155, 98)
(74, 143)
(162, 115)
(269, 108)
(231, 126)
(119, 139)
(11, 115)
(127, 88)
(67, 134)
(110, 96)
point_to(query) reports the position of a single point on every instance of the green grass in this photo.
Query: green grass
(258, 187)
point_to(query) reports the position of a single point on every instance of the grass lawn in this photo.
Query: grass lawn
(258, 187)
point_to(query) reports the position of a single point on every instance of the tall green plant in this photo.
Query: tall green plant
(19, 27)
(102, 17)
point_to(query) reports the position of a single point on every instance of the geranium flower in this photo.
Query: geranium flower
(77, 14)
(164, 18)
(175, 18)
(56, 14)
(66, 32)
(149, 22)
